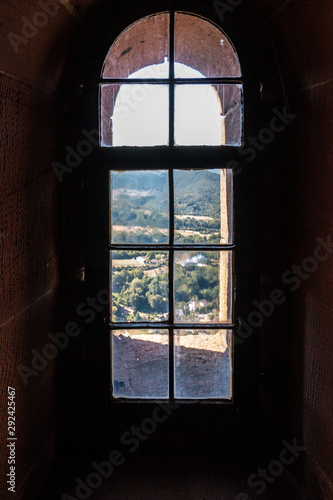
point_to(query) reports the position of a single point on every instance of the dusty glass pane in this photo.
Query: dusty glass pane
(203, 287)
(208, 115)
(140, 286)
(204, 47)
(203, 206)
(134, 115)
(140, 364)
(144, 43)
(203, 364)
(140, 207)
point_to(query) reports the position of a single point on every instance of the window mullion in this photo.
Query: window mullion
(171, 200)
(171, 283)
(172, 80)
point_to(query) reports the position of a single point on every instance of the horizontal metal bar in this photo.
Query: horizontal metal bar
(211, 81)
(159, 167)
(175, 81)
(175, 326)
(166, 401)
(134, 247)
(162, 157)
(135, 81)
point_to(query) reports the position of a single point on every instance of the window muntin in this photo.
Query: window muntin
(209, 319)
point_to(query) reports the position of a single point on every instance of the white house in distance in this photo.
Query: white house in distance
(196, 260)
(142, 260)
(191, 306)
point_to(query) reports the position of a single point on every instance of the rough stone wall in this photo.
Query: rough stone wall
(302, 32)
(30, 230)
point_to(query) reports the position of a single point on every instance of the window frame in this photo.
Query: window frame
(246, 194)
(171, 324)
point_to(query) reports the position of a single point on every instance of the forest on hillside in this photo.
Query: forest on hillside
(140, 206)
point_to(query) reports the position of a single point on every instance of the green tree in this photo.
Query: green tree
(156, 303)
(138, 273)
(119, 280)
(150, 255)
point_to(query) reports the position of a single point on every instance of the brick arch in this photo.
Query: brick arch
(199, 44)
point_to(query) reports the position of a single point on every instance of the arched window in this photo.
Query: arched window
(171, 118)
(171, 80)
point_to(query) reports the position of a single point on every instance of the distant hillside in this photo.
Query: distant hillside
(140, 180)
(197, 192)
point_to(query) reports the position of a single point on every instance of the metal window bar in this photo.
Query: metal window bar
(176, 326)
(176, 81)
(172, 80)
(159, 248)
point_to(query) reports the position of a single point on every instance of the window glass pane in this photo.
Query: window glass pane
(208, 115)
(134, 115)
(140, 207)
(204, 47)
(203, 364)
(140, 286)
(203, 287)
(140, 363)
(144, 43)
(203, 206)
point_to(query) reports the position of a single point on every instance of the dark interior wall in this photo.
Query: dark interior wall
(304, 37)
(31, 226)
(296, 177)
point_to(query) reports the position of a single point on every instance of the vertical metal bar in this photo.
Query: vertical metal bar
(171, 200)
(172, 80)
(171, 284)
(110, 252)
